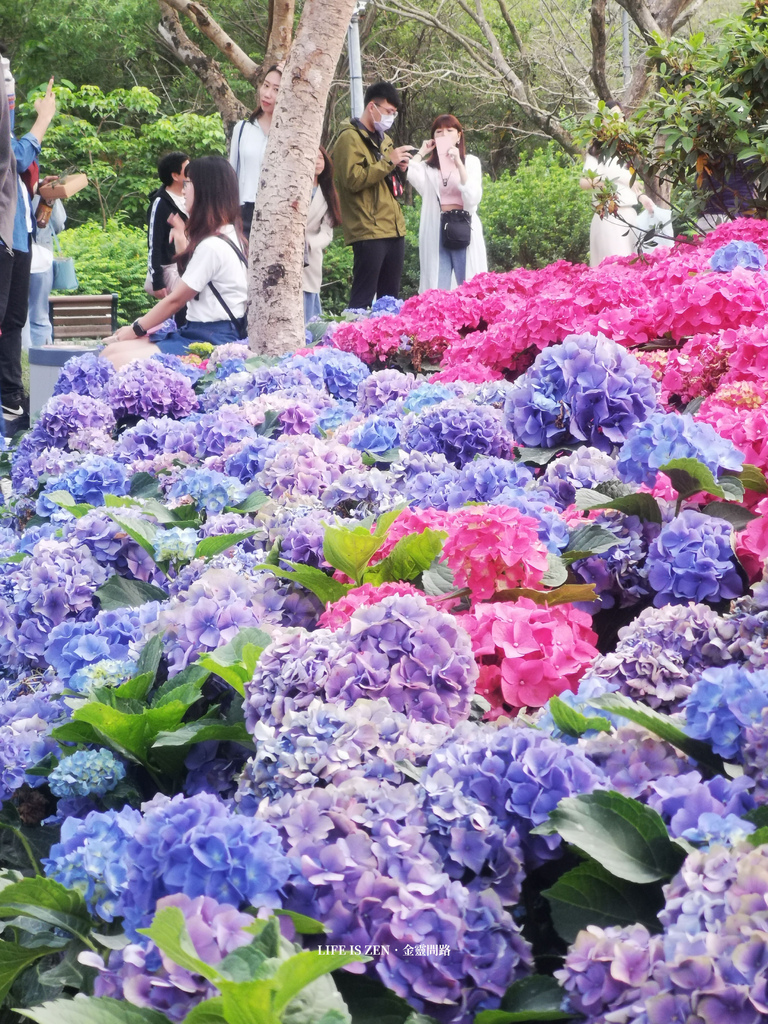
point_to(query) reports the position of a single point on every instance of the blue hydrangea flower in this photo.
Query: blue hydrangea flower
(91, 858)
(738, 254)
(250, 458)
(208, 489)
(176, 544)
(722, 703)
(428, 394)
(585, 389)
(387, 305)
(692, 560)
(518, 773)
(86, 773)
(341, 372)
(197, 846)
(376, 434)
(666, 436)
(94, 477)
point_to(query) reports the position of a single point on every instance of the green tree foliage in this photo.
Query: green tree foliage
(116, 138)
(703, 131)
(111, 260)
(536, 215)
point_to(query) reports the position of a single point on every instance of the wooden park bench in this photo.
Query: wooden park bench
(87, 318)
(82, 316)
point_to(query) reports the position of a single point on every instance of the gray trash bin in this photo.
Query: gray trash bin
(45, 364)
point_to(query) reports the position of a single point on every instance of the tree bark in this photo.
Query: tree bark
(280, 31)
(206, 68)
(275, 307)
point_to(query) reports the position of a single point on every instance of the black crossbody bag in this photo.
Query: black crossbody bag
(240, 322)
(455, 229)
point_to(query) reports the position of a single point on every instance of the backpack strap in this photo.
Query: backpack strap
(239, 140)
(235, 248)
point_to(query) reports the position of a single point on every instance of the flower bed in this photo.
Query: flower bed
(454, 686)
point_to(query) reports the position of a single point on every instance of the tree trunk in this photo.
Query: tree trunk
(280, 32)
(275, 307)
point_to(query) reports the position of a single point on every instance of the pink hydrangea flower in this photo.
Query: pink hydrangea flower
(527, 652)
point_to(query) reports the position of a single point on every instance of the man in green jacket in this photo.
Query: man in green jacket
(366, 171)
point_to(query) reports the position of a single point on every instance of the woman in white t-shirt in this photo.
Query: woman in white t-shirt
(249, 141)
(213, 268)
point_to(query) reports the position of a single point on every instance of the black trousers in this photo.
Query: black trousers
(376, 271)
(14, 303)
(246, 212)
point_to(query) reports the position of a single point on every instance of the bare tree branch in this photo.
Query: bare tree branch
(682, 19)
(206, 68)
(642, 16)
(599, 47)
(213, 31)
(511, 26)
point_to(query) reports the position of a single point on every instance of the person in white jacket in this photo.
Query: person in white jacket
(453, 183)
(324, 215)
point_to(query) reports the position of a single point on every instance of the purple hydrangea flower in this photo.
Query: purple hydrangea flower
(63, 415)
(417, 657)
(26, 719)
(586, 467)
(585, 389)
(692, 560)
(330, 743)
(144, 976)
(88, 374)
(148, 388)
(660, 654)
(209, 614)
(519, 774)
(459, 430)
(683, 800)
(381, 387)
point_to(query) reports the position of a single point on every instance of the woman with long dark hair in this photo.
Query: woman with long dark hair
(324, 215)
(450, 182)
(249, 142)
(213, 281)
(616, 232)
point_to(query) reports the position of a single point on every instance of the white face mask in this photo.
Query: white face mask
(385, 121)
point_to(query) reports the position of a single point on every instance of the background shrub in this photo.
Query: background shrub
(537, 215)
(111, 260)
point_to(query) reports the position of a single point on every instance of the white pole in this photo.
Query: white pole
(355, 68)
(625, 47)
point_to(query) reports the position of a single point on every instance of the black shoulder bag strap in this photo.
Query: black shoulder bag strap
(238, 321)
(239, 140)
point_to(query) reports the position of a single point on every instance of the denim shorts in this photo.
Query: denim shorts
(220, 332)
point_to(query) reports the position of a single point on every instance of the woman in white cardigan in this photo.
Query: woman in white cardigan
(456, 183)
(323, 216)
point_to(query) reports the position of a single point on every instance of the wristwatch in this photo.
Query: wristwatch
(138, 330)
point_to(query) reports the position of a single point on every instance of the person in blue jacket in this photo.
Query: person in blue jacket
(15, 264)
